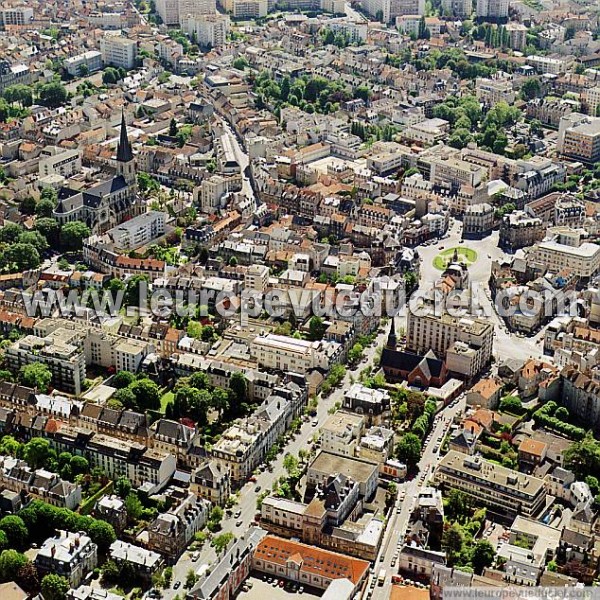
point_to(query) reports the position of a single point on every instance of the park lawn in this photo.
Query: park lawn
(467, 255)
(165, 399)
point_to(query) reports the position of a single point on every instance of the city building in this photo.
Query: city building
(307, 565)
(84, 64)
(172, 531)
(118, 51)
(492, 9)
(579, 138)
(70, 555)
(145, 562)
(290, 354)
(503, 491)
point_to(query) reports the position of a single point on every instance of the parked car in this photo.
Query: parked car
(239, 523)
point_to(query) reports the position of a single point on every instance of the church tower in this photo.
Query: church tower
(125, 160)
(392, 341)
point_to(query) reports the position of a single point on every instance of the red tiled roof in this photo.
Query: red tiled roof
(312, 560)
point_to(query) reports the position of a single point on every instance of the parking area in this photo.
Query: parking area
(257, 588)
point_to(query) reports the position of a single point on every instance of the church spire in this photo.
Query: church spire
(392, 341)
(124, 151)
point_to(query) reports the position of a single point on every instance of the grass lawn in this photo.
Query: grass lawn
(165, 399)
(466, 255)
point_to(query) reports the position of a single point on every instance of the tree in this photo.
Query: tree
(122, 487)
(19, 94)
(20, 257)
(173, 127)
(55, 587)
(136, 292)
(53, 94)
(452, 540)
(220, 542)
(511, 404)
(238, 384)
(562, 413)
(10, 563)
(122, 379)
(10, 233)
(36, 452)
(49, 228)
(27, 578)
(290, 464)
(15, 530)
(458, 505)
(147, 183)
(44, 208)
(483, 556)
(101, 533)
(134, 507)
(83, 70)
(72, 235)
(35, 239)
(190, 579)
(147, 394)
(27, 206)
(110, 572)
(583, 457)
(316, 328)
(409, 449)
(36, 375)
(79, 465)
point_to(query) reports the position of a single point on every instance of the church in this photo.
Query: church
(107, 203)
(419, 371)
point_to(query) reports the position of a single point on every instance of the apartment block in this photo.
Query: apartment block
(519, 230)
(83, 64)
(492, 9)
(60, 352)
(256, 278)
(506, 492)
(211, 482)
(289, 354)
(307, 565)
(147, 469)
(582, 260)
(210, 29)
(172, 531)
(341, 433)
(440, 333)
(118, 51)
(58, 161)
(251, 9)
(579, 138)
(17, 15)
(138, 231)
(495, 89)
(70, 555)
(457, 8)
(145, 562)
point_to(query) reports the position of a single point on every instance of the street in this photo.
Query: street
(398, 522)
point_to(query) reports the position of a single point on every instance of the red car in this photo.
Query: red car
(252, 479)
(281, 583)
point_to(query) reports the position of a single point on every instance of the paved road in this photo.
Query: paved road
(398, 521)
(248, 494)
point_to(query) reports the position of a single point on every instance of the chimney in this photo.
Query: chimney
(53, 551)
